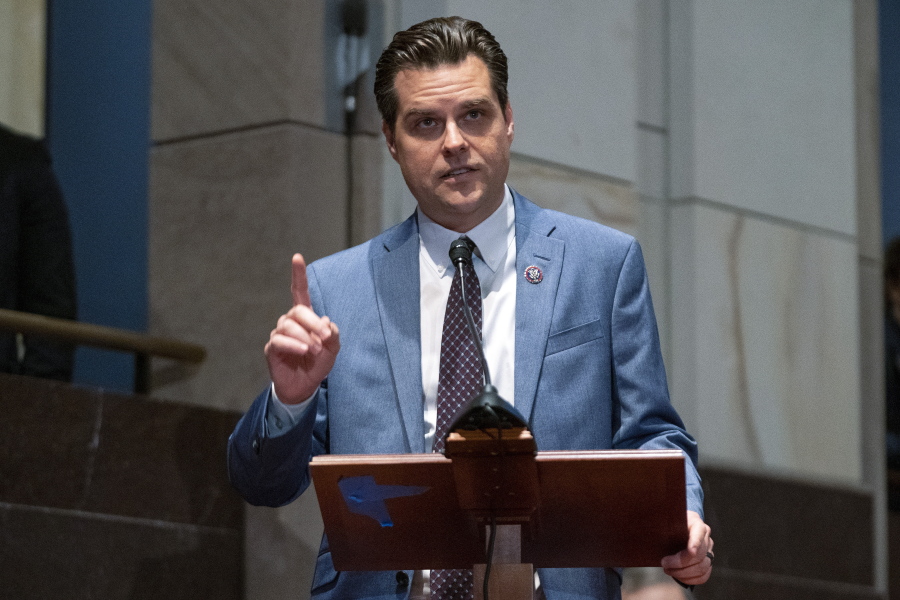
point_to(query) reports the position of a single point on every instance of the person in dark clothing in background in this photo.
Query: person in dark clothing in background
(892, 350)
(37, 274)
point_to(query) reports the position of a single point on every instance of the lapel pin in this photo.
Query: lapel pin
(533, 275)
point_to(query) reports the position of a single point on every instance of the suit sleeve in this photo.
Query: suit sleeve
(273, 470)
(46, 271)
(645, 417)
(267, 470)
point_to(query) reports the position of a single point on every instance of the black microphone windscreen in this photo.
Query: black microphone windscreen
(461, 250)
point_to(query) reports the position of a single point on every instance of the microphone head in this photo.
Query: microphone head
(461, 250)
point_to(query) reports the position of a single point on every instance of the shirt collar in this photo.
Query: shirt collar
(492, 236)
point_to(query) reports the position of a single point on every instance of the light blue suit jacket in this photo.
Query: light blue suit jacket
(588, 373)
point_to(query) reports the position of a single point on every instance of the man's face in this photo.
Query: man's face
(452, 141)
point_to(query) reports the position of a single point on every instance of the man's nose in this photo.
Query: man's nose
(454, 141)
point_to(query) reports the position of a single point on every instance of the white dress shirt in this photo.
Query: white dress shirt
(495, 264)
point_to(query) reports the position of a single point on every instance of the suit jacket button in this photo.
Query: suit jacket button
(256, 446)
(402, 579)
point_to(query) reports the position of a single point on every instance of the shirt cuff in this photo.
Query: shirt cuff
(281, 417)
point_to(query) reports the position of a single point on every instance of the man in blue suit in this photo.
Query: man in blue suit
(568, 324)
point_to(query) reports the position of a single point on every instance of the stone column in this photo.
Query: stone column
(248, 166)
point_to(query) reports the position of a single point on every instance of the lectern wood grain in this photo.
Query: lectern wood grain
(595, 509)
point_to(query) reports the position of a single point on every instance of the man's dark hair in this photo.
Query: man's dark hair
(430, 44)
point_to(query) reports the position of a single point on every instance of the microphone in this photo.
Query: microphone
(487, 409)
(461, 255)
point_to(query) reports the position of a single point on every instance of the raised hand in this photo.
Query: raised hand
(303, 346)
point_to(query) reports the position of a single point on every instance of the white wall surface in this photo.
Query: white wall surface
(572, 78)
(22, 60)
(764, 115)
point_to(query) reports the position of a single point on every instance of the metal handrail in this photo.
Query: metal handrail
(110, 338)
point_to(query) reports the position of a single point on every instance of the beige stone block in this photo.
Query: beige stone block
(872, 395)
(872, 390)
(226, 214)
(398, 201)
(611, 202)
(281, 547)
(652, 59)
(572, 78)
(652, 172)
(366, 204)
(762, 108)
(23, 48)
(766, 343)
(868, 129)
(230, 64)
(652, 233)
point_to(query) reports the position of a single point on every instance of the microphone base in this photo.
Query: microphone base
(488, 410)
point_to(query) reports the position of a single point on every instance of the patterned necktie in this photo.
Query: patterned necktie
(459, 381)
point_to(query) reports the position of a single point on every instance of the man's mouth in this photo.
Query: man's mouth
(457, 172)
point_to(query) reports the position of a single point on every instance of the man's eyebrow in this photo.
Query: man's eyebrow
(427, 112)
(476, 102)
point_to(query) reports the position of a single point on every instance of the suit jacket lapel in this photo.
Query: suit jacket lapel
(534, 302)
(395, 266)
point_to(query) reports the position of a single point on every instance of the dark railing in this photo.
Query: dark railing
(109, 338)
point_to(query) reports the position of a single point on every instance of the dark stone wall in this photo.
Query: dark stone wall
(783, 539)
(112, 496)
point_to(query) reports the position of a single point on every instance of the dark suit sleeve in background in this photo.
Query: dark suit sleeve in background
(37, 274)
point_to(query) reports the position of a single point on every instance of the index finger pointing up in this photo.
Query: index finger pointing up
(299, 283)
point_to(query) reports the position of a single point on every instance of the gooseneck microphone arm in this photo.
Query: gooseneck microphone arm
(487, 409)
(461, 255)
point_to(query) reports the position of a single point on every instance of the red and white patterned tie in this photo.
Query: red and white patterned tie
(460, 379)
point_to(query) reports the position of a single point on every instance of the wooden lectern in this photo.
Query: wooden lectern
(552, 509)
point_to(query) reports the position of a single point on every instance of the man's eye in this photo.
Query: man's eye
(474, 114)
(426, 123)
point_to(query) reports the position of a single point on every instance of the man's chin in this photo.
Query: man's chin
(462, 213)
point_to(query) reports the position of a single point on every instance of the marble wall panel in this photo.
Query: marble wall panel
(769, 526)
(766, 342)
(398, 202)
(868, 129)
(407, 13)
(728, 585)
(579, 193)
(112, 496)
(281, 548)
(226, 215)
(81, 556)
(367, 172)
(872, 386)
(87, 451)
(763, 96)
(572, 78)
(23, 42)
(652, 169)
(871, 292)
(236, 63)
(652, 62)
(652, 233)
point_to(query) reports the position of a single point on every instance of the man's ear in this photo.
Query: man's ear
(510, 125)
(389, 138)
